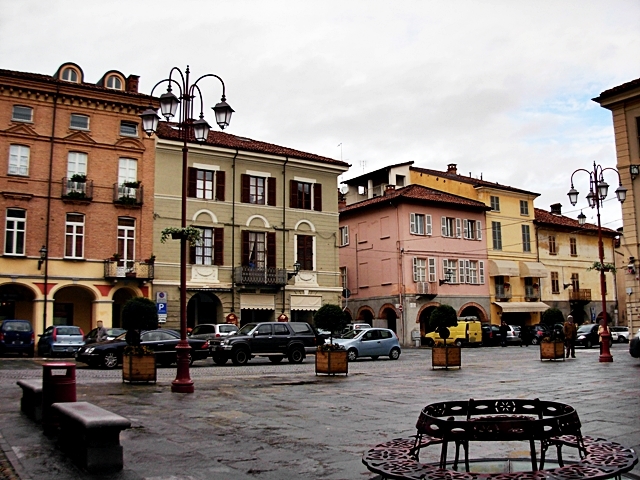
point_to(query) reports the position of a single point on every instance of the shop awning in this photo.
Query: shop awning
(257, 302)
(306, 302)
(509, 307)
(504, 268)
(533, 269)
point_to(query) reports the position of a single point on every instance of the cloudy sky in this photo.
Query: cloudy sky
(502, 88)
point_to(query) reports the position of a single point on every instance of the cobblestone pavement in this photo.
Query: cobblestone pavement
(265, 421)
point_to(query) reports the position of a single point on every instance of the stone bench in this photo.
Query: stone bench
(90, 436)
(31, 401)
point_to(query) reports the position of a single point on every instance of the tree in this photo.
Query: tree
(442, 317)
(138, 314)
(331, 317)
(551, 316)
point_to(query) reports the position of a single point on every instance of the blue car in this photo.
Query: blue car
(16, 336)
(372, 342)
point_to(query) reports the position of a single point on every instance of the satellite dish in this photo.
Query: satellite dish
(344, 189)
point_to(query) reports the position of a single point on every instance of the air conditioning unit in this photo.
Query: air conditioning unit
(422, 288)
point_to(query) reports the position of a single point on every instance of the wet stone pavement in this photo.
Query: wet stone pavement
(265, 421)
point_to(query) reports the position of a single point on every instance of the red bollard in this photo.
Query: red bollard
(58, 386)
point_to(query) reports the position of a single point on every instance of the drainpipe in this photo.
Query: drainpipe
(233, 235)
(284, 234)
(401, 286)
(47, 222)
(615, 284)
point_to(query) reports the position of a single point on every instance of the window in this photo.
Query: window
(432, 270)
(204, 247)
(280, 329)
(530, 288)
(259, 190)
(344, 236)
(400, 179)
(206, 184)
(552, 245)
(22, 114)
(419, 269)
(15, 231)
(450, 270)
(524, 207)
(495, 203)
(526, 238)
(70, 75)
(451, 227)
(258, 249)
(126, 239)
(343, 277)
(305, 251)
(496, 230)
(305, 195)
(420, 224)
(114, 82)
(19, 160)
(74, 236)
(127, 171)
(573, 245)
(575, 282)
(76, 164)
(472, 229)
(128, 129)
(79, 122)
(502, 288)
(555, 283)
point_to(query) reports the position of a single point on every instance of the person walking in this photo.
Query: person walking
(101, 334)
(504, 328)
(570, 333)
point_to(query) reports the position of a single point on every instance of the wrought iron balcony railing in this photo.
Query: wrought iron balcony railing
(260, 276)
(502, 293)
(82, 191)
(114, 269)
(580, 295)
(128, 195)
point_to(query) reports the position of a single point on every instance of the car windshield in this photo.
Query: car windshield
(585, 328)
(68, 331)
(121, 336)
(352, 334)
(16, 327)
(247, 329)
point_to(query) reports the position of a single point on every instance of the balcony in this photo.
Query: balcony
(503, 294)
(580, 295)
(531, 294)
(128, 194)
(426, 289)
(77, 191)
(275, 277)
(114, 269)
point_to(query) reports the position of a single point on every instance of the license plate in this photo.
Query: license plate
(71, 349)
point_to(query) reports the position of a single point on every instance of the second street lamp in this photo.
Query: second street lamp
(598, 190)
(189, 128)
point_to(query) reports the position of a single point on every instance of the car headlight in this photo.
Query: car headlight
(581, 337)
(89, 350)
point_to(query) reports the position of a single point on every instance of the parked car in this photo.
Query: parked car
(634, 346)
(537, 332)
(92, 336)
(16, 336)
(490, 335)
(355, 326)
(371, 342)
(275, 340)
(513, 335)
(162, 341)
(62, 340)
(209, 331)
(619, 334)
(587, 335)
(464, 333)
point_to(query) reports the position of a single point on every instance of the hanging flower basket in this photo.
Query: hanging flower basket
(191, 234)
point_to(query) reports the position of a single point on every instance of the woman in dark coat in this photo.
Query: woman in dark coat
(504, 328)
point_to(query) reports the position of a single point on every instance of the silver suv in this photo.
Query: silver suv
(209, 331)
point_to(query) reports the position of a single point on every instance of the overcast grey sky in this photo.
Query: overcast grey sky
(502, 88)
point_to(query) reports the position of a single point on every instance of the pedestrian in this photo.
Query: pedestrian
(570, 333)
(602, 330)
(525, 335)
(504, 328)
(101, 334)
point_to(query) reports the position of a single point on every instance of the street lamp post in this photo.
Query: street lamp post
(598, 190)
(189, 129)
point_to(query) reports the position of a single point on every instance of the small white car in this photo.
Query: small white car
(619, 334)
(355, 326)
(209, 331)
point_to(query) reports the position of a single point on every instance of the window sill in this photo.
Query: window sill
(385, 237)
(75, 259)
(14, 255)
(22, 121)
(386, 283)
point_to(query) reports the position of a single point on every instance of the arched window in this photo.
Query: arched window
(70, 74)
(114, 82)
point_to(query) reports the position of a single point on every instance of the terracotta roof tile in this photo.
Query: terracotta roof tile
(619, 89)
(419, 193)
(542, 217)
(226, 140)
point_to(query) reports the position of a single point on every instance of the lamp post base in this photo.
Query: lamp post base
(605, 353)
(183, 382)
(605, 358)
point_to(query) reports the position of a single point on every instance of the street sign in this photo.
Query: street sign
(162, 309)
(346, 293)
(162, 318)
(161, 297)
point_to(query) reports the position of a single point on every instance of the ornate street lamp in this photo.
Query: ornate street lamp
(170, 105)
(598, 190)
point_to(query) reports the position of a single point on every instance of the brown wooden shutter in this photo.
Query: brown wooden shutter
(245, 186)
(218, 246)
(245, 248)
(193, 182)
(220, 177)
(293, 194)
(271, 191)
(317, 197)
(192, 254)
(271, 249)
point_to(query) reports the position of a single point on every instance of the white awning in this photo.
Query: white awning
(533, 269)
(508, 307)
(504, 268)
(257, 302)
(306, 302)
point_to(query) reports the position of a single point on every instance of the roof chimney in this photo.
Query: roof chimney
(556, 209)
(132, 83)
(389, 189)
(452, 168)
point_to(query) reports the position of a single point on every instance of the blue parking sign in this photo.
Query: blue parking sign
(162, 308)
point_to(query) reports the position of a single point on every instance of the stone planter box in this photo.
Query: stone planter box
(446, 356)
(139, 368)
(552, 350)
(332, 362)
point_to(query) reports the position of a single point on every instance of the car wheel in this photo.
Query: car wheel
(240, 356)
(275, 358)
(534, 341)
(458, 343)
(296, 355)
(588, 344)
(219, 360)
(191, 359)
(395, 354)
(352, 354)
(374, 357)
(110, 360)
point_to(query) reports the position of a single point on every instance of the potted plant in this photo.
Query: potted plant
(331, 358)
(131, 268)
(551, 349)
(191, 234)
(115, 257)
(151, 260)
(138, 361)
(78, 178)
(135, 184)
(443, 354)
(552, 345)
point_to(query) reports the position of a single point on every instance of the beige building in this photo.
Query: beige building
(260, 208)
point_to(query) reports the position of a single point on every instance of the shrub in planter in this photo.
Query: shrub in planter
(331, 317)
(138, 314)
(443, 317)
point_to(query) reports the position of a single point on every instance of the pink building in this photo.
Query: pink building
(410, 250)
